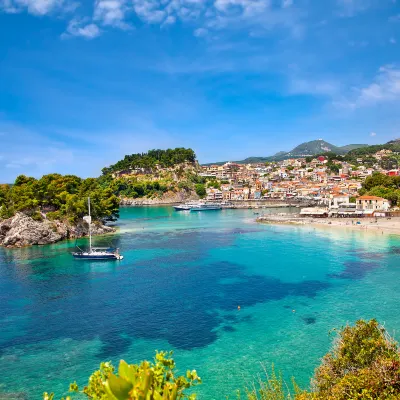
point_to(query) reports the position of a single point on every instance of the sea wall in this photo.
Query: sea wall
(21, 230)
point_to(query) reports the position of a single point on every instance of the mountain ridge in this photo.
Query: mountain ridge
(305, 149)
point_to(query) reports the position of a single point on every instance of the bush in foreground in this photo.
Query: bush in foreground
(364, 363)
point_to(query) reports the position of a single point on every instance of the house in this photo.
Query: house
(372, 203)
(315, 212)
(338, 200)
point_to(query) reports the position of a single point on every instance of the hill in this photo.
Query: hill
(311, 148)
(149, 160)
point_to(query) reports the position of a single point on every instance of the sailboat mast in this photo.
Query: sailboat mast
(90, 227)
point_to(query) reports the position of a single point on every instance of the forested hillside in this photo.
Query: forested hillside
(58, 197)
(163, 158)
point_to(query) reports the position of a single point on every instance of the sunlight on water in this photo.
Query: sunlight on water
(179, 287)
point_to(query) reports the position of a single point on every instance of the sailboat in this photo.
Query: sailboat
(96, 253)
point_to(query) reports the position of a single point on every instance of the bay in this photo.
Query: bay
(179, 287)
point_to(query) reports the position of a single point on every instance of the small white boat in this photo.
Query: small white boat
(96, 253)
(206, 207)
(186, 206)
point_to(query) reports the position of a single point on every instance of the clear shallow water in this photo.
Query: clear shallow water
(179, 286)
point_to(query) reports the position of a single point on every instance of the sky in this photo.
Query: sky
(82, 83)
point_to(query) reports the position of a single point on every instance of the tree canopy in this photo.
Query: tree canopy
(384, 186)
(60, 197)
(164, 158)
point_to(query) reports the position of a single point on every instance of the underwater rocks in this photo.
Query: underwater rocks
(21, 230)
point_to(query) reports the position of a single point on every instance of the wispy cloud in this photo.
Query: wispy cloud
(35, 7)
(348, 8)
(385, 88)
(203, 15)
(80, 28)
(111, 13)
(372, 134)
(317, 87)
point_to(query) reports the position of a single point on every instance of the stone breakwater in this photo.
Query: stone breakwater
(21, 230)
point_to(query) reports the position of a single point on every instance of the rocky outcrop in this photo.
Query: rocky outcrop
(167, 198)
(21, 230)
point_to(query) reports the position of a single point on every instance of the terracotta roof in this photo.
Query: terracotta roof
(370, 198)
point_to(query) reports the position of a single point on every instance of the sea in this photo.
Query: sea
(230, 297)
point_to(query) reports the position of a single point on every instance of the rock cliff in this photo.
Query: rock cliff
(166, 198)
(21, 230)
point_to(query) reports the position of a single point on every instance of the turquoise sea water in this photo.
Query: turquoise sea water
(179, 287)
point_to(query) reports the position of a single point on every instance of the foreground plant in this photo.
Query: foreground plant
(363, 364)
(147, 381)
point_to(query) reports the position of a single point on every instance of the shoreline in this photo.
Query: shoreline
(235, 206)
(389, 226)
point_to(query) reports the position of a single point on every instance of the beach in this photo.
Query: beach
(379, 225)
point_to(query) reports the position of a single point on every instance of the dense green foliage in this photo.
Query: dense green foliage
(147, 381)
(134, 188)
(60, 197)
(384, 186)
(200, 190)
(364, 363)
(164, 158)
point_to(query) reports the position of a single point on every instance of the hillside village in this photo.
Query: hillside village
(336, 183)
(333, 184)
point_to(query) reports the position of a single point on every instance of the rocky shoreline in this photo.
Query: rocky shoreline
(167, 199)
(21, 230)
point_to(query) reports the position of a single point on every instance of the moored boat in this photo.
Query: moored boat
(206, 207)
(96, 253)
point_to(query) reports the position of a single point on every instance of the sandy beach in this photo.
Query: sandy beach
(380, 225)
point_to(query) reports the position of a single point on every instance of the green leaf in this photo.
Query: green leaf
(127, 371)
(119, 387)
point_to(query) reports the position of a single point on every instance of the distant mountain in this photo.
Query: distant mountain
(350, 147)
(311, 148)
(394, 141)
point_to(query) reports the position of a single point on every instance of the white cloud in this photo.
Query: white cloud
(258, 16)
(111, 12)
(79, 28)
(385, 88)
(372, 134)
(35, 7)
(200, 32)
(248, 7)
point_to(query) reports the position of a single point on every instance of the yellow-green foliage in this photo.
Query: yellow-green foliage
(147, 381)
(363, 364)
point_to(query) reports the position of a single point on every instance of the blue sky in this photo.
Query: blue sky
(85, 82)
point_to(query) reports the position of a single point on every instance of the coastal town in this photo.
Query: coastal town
(332, 186)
